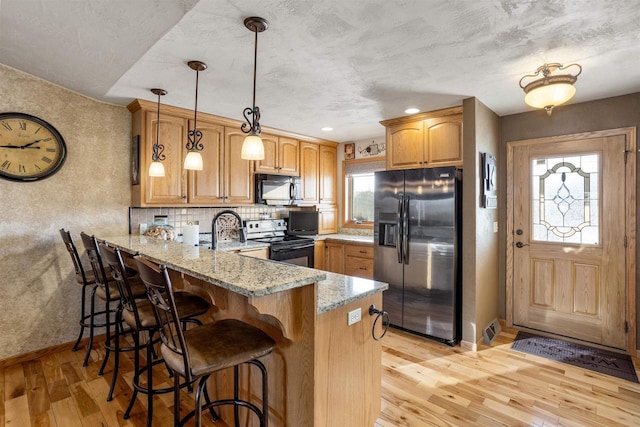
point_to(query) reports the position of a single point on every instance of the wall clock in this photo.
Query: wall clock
(30, 148)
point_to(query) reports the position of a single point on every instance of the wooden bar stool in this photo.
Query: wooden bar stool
(139, 316)
(198, 352)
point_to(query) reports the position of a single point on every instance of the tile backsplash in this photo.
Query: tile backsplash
(179, 217)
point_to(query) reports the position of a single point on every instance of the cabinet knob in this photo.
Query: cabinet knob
(184, 197)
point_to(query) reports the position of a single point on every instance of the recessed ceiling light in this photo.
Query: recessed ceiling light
(412, 110)
(327, 129)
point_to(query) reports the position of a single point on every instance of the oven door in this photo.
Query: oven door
(299, 255)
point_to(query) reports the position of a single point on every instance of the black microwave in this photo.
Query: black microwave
(277, 189)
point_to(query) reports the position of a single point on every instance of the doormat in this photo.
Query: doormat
(603, 361)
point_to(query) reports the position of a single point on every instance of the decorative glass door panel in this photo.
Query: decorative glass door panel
(565, 199)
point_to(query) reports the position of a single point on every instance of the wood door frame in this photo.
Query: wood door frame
(630, 226)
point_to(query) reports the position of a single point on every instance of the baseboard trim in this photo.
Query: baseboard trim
(468, 346)
(33, 355)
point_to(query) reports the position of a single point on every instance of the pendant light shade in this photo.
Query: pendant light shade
(551, 89)
(252, 147)
(193, 160)
(156, 168)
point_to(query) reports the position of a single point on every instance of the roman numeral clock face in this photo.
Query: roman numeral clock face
(30, 148)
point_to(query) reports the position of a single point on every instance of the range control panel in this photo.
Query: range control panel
(265, 227)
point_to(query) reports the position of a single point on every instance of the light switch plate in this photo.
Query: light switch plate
(354, 316)
(495, 226)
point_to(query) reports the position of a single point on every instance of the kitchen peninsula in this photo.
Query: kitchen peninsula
(323, 372)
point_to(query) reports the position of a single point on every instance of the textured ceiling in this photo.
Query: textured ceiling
(341, 63)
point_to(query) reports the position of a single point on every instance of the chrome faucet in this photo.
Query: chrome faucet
(214, 231)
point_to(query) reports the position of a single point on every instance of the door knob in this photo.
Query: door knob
(521, 245)
(519, 232)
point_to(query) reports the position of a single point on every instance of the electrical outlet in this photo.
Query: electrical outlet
(354, 316)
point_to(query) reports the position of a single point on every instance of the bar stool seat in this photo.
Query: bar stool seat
(198, 352)
(215, 346)
(186, 303)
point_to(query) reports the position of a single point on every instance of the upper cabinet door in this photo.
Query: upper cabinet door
(280, 156)
(444, 140)
(288, 159)
(405, 144)
(309, 172)
(205, 186)
(238, 179)
(328, 174)
(171, 188)
(270, 162)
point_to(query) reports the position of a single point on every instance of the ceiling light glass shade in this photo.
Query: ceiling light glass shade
(252, 148)
(156, 169)
(550, 95)
(549, 90)
(193, 161)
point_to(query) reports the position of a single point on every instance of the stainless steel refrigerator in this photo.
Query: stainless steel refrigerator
(417, 249)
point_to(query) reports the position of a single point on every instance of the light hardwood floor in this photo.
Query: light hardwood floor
(424, 384)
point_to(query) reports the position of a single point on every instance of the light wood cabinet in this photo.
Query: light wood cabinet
(310, 172)
(206, 186)
(280, 156)
(319, 255)
(351, 259)
(334, 258)
(405, 145)
(328, 166)
(358, 260)
(327, 219)
(426, 139)
(226, 178)
(238, 182)
(169, 189)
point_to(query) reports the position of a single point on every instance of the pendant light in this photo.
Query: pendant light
(193, 161)
(552, 89)
(156, 168)
(252, 147)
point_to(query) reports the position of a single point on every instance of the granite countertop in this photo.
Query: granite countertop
(247, 276)
(338, 290)
(349, 238)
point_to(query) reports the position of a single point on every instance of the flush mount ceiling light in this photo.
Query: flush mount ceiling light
(326, 129)
(412, 110)
(193, 161)
(252, 147)
(552, 89)
(156, 168)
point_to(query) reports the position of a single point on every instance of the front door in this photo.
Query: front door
(570, 206)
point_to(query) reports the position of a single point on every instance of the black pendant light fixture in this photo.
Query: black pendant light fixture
(156, 168)
(193, 160)
(252, 147)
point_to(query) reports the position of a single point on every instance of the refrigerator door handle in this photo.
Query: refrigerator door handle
(399, 229)
(405, 230)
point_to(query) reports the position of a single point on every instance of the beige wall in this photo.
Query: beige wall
(610, 113)
(479, 241)
(40, 300)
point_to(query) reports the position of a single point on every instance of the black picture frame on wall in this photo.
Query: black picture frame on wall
(489, 184)
(135, 160)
